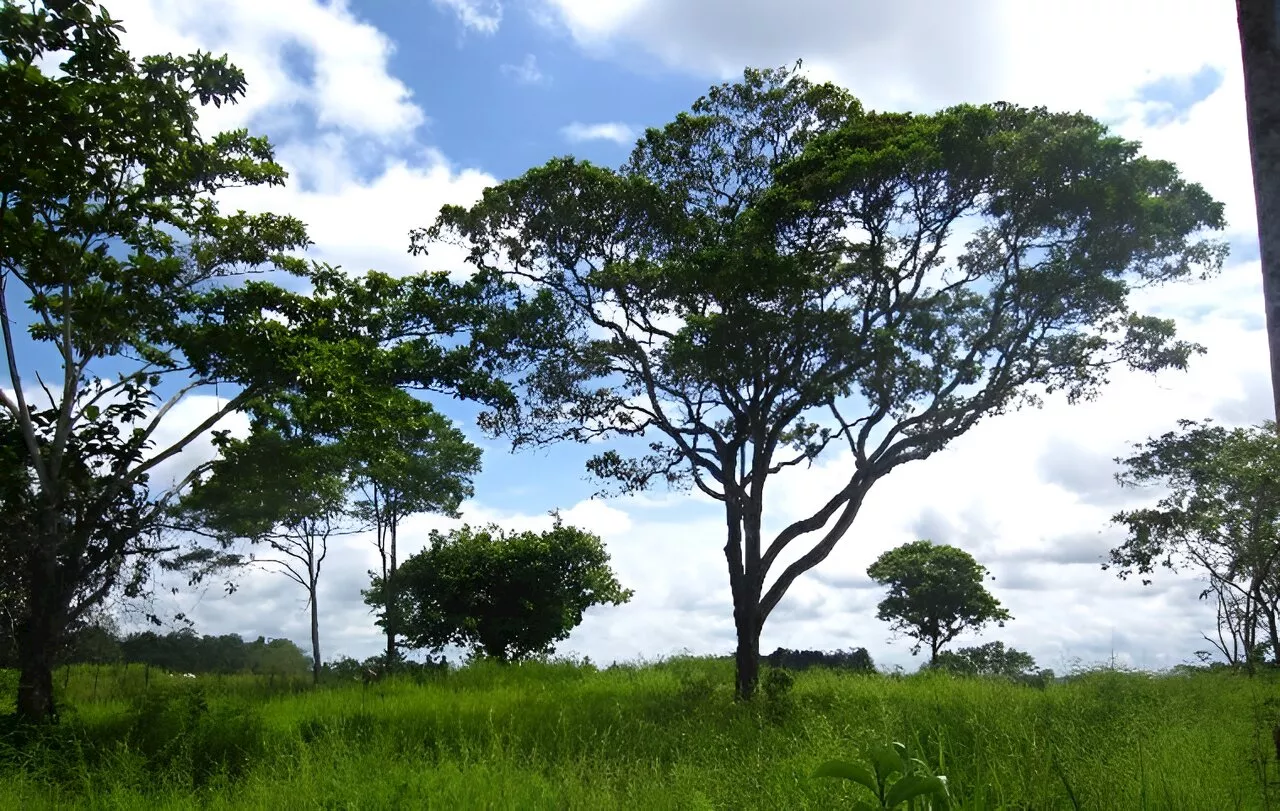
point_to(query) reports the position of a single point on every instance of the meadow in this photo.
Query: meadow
(663, 735)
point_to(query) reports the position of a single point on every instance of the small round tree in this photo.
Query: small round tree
(504, 596)
(935, 593)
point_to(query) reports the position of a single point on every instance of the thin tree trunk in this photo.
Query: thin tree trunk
(315, 635)
(1259, 23)
(390, 591)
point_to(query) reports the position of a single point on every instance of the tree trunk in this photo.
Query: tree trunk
(390, 591)
(36, 648)
(40, 631)
(1259, 23)
(745, 579)
(315, 636)
(747, 658)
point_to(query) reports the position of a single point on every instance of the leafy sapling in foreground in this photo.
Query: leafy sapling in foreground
(776, 271)
(894, 778)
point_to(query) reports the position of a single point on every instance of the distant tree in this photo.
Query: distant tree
(776, 270)
(857, 660)
(991, 659)
(279, 657)
(410, 460)
(1221, 518)
(935, 593)
(506, 596)
(286, 493)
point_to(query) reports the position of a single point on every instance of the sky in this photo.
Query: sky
(384, 110)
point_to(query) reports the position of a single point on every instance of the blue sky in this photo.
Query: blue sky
(383, 110)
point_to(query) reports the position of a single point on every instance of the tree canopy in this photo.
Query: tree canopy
(935, 594)
(1220, 517)
(504, 595)
(776, 270)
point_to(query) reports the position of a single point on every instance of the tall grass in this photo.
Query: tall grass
(661, 735)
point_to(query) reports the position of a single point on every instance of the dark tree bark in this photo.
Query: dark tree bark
(390, 575)
(315, 634)
(40, 630)
(1259, 22)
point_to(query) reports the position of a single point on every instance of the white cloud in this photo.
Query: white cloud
(918, 52)
(527, 72)
(361, 110)
(481, 16)
(619, 133)
(345, 82)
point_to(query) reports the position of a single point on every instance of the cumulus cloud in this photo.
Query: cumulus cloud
(619, 133)
(359, 177)
(295, 54)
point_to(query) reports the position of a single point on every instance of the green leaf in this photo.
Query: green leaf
(912, 786)
(849, 771)
(91, 412)
(887, 761)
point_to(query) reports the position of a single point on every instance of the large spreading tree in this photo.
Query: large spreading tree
(777, 270)
(130, 284)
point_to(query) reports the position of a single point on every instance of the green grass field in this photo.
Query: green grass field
(664, 735)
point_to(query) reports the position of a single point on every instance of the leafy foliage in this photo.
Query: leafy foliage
(991, 659)
(507, 596)
(288, 493)
(935, 593)
(1221, 516)
(769, 273)
(185, 651)
(130, 275)
(894, 778)
(857, 660)
(411, 460)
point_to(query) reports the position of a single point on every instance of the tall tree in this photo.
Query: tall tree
(935, 594)
(1220, 517)
(507, 596)
(288, 494)
(410, 460)
(115, 257)
(779, 256)
(1259, 24)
